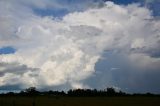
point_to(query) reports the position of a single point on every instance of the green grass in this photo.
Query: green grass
(79, 101)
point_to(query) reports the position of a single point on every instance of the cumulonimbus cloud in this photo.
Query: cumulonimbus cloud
(52, 52)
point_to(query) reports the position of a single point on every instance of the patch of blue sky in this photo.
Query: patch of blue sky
(78, 5)
(125, 2)
(7, 50)
(51, 12)
(155, 7)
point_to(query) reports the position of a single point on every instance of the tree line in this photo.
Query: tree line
(32, 91)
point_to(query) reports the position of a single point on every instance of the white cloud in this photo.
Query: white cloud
(65, 51)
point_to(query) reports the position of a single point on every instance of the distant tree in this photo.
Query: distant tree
(120, 93)
(32, 91)
(111, 92)
(10, 93)
(23, 93)
(149, 94)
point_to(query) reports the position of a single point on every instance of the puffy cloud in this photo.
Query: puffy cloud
(52, 52)
(10, 73)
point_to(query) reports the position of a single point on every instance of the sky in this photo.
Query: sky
(69, 44)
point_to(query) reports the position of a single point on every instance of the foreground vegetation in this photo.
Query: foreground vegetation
(79, 101)
(79, 97)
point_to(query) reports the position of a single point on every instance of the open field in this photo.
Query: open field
(79, 101)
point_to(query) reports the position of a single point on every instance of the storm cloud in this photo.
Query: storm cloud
(53, 52)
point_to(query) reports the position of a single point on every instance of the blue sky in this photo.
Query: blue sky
(7, 50)
(56, 44)
(80, 5)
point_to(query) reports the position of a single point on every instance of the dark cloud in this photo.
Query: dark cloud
(152, 52)
(14, 68)
(9, 88)
(116, 71)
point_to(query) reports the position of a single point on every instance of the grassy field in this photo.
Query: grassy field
(79, 101)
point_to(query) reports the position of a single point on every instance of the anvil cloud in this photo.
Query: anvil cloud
(52, 52)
